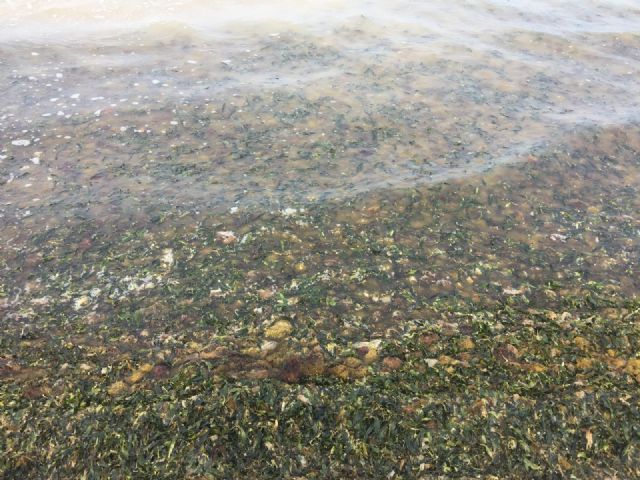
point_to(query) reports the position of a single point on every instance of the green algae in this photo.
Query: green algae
(484, 327)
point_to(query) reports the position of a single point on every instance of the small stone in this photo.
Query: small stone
(447, 360)
(161, 371)
(167, 257)
(429, 340)
(279, 330)
(21, 143)
(392, 363)
(352, 362)
(226, 237)
(367, 351)
(513, 291)
(581, 342)
(81, 302)
(506, 353)
(290, 370)
(265, 294)
(140, 373)
(371, 355)
(340, 371)
(466, 344)
(313, 365)
(557, 237)
(258, 374)
(251, 352)
(633, 367)
(268, 346)
(117, 388)
(584, 364)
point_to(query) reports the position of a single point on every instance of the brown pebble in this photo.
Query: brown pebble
(160, 371)
(258, 374)
(428, 340)
(290, 371)
(392, 363)
(506, 353)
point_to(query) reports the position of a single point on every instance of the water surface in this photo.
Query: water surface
(116, 108)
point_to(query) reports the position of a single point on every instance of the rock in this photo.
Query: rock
(392, 363)
(352, 362)
(140, 373)
(226, 237)
(167, 257)
(258, 374)
(117, 388)
(313, 365)
(279, 330)
(265, 294)
(268, 346)
(506, 353)
(431, 362)
(8, 367)
(290, 370)
(37, 392)
(429, 340)
(582, 343)
(513, 291)
(81, 302)
(340, 371)
(371, 355)
(161, 371)
(253, 352)
(584, 363)
(633, 367)
(85, 367)
(368, 351)
(447, 360)
(466, 343)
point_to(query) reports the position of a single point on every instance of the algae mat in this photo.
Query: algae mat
(487, 327)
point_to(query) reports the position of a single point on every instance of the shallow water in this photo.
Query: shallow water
(338, 239)
(130, 107)
(195, 169)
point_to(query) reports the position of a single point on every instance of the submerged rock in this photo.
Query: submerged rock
(279, 330)
(226, 237)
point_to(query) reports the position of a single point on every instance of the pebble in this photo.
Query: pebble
(392, 363)
(268, 346)
(279, 330)
(466, 344)
(140, 373)
(117, 388)
(167, 256)
(21, 143)
(161, 371)
(226, 237)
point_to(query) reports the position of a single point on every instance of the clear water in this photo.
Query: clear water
(127, 106)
